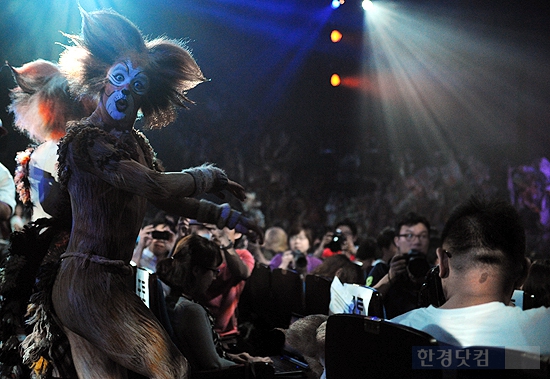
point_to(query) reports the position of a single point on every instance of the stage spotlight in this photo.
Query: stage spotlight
(335, 80)
(335, 4)
(367, 5)
(335, 36)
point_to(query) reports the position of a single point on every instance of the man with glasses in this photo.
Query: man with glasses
(400, 283)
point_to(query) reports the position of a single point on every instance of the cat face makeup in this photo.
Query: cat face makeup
(125, 87)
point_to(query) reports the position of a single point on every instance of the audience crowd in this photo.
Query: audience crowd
(389, 240)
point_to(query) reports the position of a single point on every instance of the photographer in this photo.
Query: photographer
(400, 283)
(343, 240)
(298, 257)
(155, 241)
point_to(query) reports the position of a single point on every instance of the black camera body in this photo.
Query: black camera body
(336, 242)
(417, 264)
(160, 235)
(300, 259)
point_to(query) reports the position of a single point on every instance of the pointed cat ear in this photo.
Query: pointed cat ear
(41, 103)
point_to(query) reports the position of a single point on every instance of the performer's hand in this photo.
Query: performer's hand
(236, 190)
(251, 230)
(235, 220)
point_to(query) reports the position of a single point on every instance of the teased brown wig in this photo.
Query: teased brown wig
(106, 38)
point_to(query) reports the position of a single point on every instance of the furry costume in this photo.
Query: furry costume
(110, 174)
(109, 170)
(41, 105)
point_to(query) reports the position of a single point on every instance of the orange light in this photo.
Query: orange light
(335, 36)
(335, 80)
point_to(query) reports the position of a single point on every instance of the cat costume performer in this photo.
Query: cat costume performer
(108, 172)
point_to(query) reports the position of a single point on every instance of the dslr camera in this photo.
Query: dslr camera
(417, 264)
(300, 260)
(336, 242)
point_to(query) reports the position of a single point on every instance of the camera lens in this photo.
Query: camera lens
(299, 259)
(417, 264)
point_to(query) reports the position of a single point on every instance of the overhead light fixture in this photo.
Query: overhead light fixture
(335, 36)
(367, 5)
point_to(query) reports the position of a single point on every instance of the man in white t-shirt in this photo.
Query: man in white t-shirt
(482, 260)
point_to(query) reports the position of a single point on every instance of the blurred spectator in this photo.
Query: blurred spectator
(222, 297)
(400, 283)
(343, 241)
(366, 254)
(155, 242)
(7, 201)
(538, 282)
(341, 266)
(189, 272)
(322, 241)
(7, 196)
(275, 242)
(298, 257)
(19, 219)
(388, 248)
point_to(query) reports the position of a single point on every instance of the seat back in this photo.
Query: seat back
(317, 295)
(355, 299)
(149, 289)
(256, 296)
(523, 299)
(287, 290)
(369, 347)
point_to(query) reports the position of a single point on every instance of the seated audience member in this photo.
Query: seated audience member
(298, 257)
(400, 283)
(367, 253)
(386, 245)
(321, 241)
(222, 297)
(155, 242)
(275, 242)
(189, 272)
(346, 230)
(182, 227)
(538, 283)
(307, 336)
(342, 267)
(19, 218)
(481, 260)
(7, 198)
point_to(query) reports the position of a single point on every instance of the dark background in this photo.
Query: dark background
(309, 151)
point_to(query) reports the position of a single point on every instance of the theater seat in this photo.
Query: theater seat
(317, 295)
(358, 347)
(149, 288)
(355, 299)
(287, 291)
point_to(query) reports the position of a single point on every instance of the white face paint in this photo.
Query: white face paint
(124, 90)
